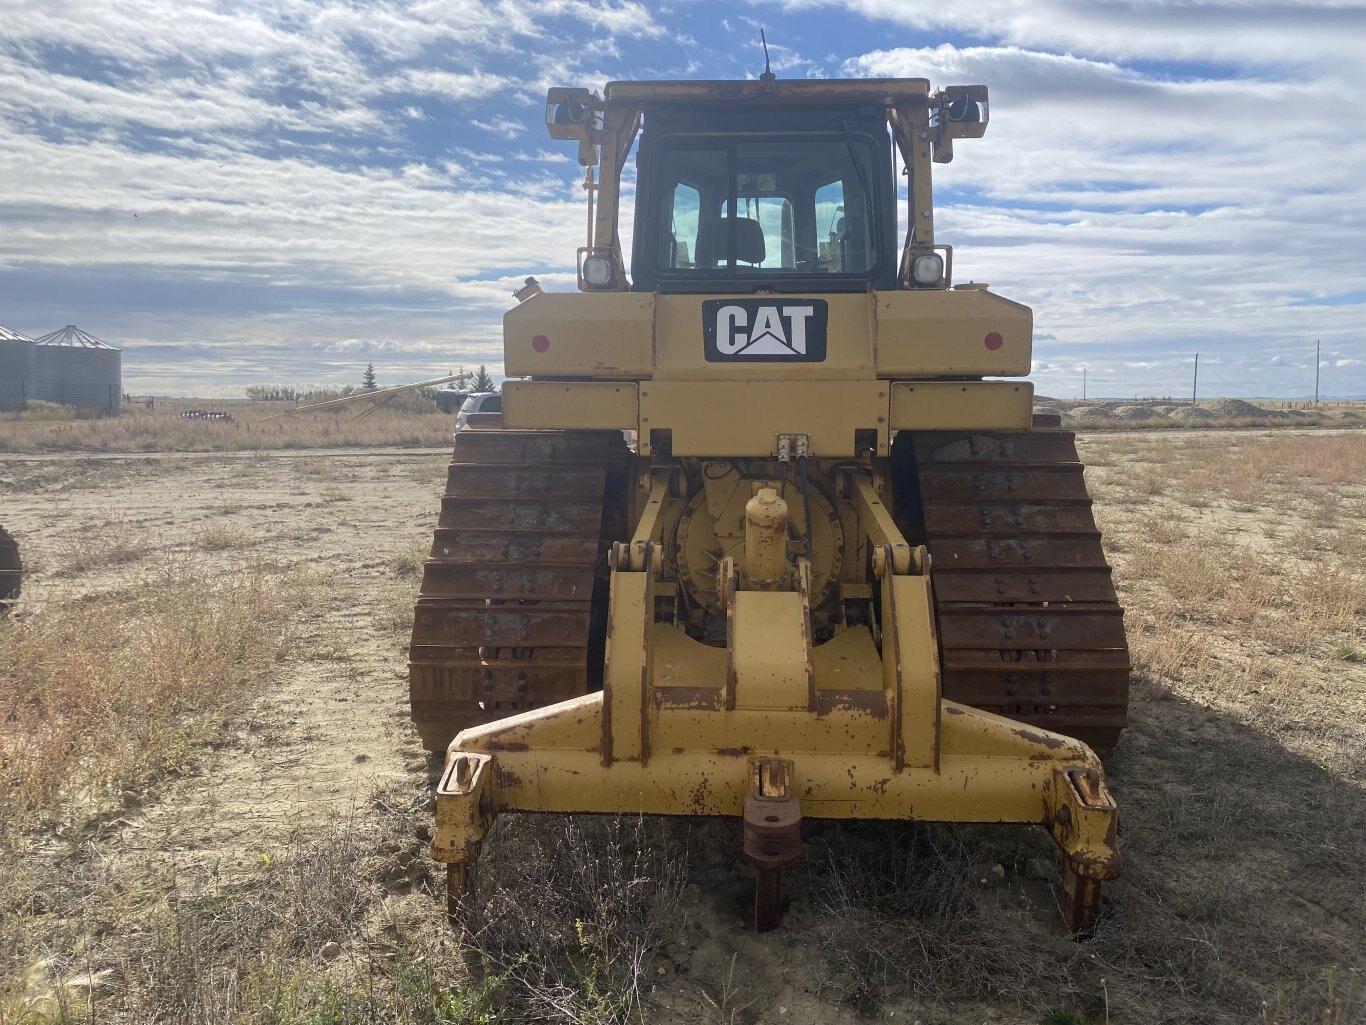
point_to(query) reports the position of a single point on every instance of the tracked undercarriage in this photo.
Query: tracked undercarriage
(1028, 621)
(1029, 624)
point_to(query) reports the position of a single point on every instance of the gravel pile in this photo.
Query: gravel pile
(1229, 410)
(1132, 412)
(1195, 413)
(1237, 409)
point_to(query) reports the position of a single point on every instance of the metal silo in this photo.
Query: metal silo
(77, 369)
(16, 369)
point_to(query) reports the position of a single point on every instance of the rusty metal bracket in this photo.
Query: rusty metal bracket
(772, 836)
(1084, 821)
(464, 811)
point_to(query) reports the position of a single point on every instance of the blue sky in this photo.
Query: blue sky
(235, 192)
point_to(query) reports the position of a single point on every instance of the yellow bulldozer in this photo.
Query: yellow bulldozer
(766, 527)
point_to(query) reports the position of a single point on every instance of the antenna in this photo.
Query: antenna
(767, 76)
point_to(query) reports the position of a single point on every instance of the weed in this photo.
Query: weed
(217, 537)
(102, 544)
(409, 562)
(1347, 651)
(723, 998)
(575, 915)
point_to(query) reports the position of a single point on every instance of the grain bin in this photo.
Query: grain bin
(16, 369)
(77, 369)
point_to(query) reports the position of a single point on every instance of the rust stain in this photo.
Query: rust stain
(1035, 737)
(507, 745)
(734, 752)
(700, 794)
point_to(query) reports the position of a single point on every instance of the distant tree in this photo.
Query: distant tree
(368, 381)
(482, 381)
(271, 393)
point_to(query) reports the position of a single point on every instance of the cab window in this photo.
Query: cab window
(793, 206)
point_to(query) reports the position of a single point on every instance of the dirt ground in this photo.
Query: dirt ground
(1241, 780)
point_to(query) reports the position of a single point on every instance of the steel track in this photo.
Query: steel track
(1029, 623)
(505, 617)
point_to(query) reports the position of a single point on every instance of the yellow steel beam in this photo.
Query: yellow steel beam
(876, 520)
(645, 542)
(626, 672)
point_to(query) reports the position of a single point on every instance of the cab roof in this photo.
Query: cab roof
(806, 92)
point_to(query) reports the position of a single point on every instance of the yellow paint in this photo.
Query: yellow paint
(744, 418)
(931, 332)
(962, 406)
(602, 334)
(586, 405)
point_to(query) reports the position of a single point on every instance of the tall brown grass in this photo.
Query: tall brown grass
(254, 427)
(103, 696)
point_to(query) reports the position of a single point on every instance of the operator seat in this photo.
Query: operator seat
(711, 241)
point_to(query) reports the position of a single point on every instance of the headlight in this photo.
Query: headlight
(597, 270)
(928, 269)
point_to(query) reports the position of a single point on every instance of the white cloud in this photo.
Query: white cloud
(1260, 33)
(504, 126)
(445, 84)
(363, 345)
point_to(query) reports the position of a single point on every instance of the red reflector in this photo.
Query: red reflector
(540, 343)
(994, 341)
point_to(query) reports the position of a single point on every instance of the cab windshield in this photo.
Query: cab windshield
(770, 207)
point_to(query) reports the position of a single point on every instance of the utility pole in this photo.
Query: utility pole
(1316, 373)
(1083, 384)
(1195, 378)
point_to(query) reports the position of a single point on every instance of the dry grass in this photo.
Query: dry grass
(572, 918)
(305, 941)
(393, 606)
(103, 544)
(1211, 563)
(296, 944)
(102, 696)
(255, 426)
(900, 917)
(218, 537)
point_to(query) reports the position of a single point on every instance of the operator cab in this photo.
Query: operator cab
(765, 186)
(783, 200)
